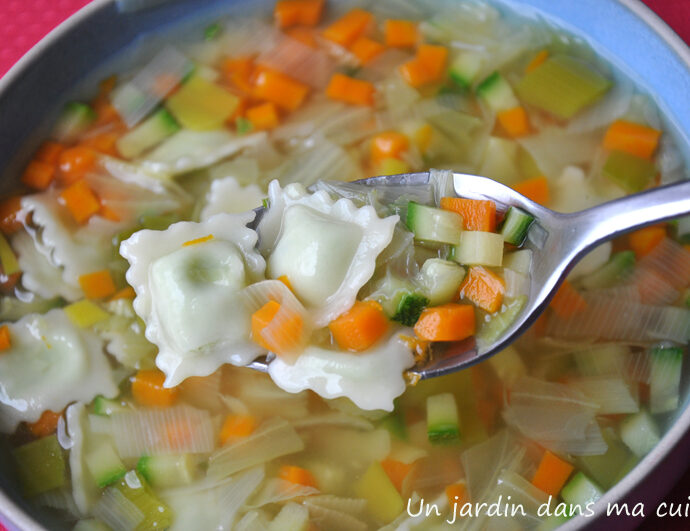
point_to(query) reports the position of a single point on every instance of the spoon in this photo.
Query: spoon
(557, 241)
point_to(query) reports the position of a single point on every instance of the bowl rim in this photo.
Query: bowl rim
(13, 515)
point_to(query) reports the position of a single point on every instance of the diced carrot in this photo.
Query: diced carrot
(106, 113)
(396, 471)
(124, 293)
(293, 12)
(303, 35)
(108, 213)
(238, 72)
(349, 27)
(643, 241)
(477, 214)
(49, 152)
(389, 144)
(103, 143)
(237, 427)
(360, 327)
(636, 139)
(280, 89)
(46, 424)
(427, 66)
(74, 162)
(97, 285)
(568, 301)
(264, 116)
(350, 90)
(8, 282)
(285, 280)
(38, 175)
(297, 475)
(286, 335)
(80, 201)
(366, 49)
(537, 60)
(536, 189)
(551, 474)
(148, 390)
(11, 215)
(457, 494)
(448, 322)
(514, 121)
(400, 33)
(5, 339)
(106, 86)
(484, 288)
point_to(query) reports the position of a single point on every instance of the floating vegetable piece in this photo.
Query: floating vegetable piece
(201, 105)
(360, 327)
(448, 322)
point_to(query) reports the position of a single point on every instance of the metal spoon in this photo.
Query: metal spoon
(557, 241)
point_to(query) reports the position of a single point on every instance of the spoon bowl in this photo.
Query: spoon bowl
(556, 240)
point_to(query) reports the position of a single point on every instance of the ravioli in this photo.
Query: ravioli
(371, 379)
(50, 364)
(189, 281)
(228, 196)
(327, 249)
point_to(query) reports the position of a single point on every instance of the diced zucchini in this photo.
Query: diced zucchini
(562, 86)
(516, 225)
(464, 68)
(442, 421)
(497, 93)
(432, 224)
(292, 517)
(440, 280)
(85, 313)
(499, 160)
(40, 466)
(639, 432)
(75, 119)
(519, 261)
(479, 248)
(490, 331)
(605, 468)
(619, 266)
(664, 385)
(410, 308)
(581, 490)
(169, 470)
(147, 134)
(90, 525)
(390, 290)
(508, 366)
(201, 105)
(633, 174)
(104, 464)
(105, 406)
(383, 500)
(157, 515)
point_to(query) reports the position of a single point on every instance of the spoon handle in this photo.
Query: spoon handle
(605, 222)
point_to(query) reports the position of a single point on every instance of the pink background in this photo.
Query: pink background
(24, 22)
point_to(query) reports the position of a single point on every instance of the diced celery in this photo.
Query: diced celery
(633, 174)
(605, 468)
(440, 280)
(40, 465)
(562, 86)
(201, 105)
(619, 266)
(8, 259)
(106, 407)
(104, 464)
(442, 421)
(664, 380)
(75, 119)
(85, 313)
(292, 517)
(157, 515)
(168, 470)
(499, 323)
(383, 500)
(519, 261)
(479, 248)
(147, 134)
(433, 224)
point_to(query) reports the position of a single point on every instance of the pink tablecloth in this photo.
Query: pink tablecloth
(24, 22)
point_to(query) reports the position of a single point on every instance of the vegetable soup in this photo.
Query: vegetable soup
(139, 279)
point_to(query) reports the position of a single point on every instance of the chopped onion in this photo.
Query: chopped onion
(334, 419)
(662, 273)
(274, 438)
(278, 490)
(353, 506)
(359, 448)
(299, 61)
(263, 398)
(333, 520)
(553, 149)
(613, 395)
(430, 475)
(179, 429)
(118, 512)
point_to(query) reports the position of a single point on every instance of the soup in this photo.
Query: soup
(137, 285)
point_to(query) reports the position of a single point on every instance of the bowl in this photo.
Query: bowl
(74, 54)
